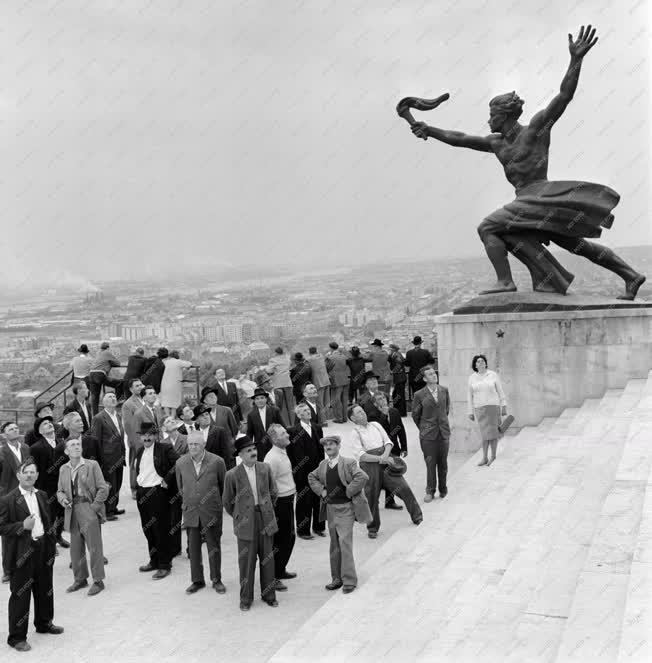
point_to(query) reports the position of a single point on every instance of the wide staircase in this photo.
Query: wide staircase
(546, 556)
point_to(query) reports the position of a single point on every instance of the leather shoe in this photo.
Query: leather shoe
(372, 535)
(96, 588)
(287, 575)
(77, 585)
(306, 537)
(348, 589)
(394, 506)
(146, 568)
(245, 606)
(119, 512)
(316, 533)
(6, 577)
(333, 586)
(195, 587)
(279, 586)
(428, 498)
(112, 517)
(51, 629)
(23, 645)
(418, 522)
(63, 543)
(219, 587)
(272, 604)
(442, 495)
(160, 574)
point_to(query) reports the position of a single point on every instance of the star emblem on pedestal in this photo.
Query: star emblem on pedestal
(500, 333)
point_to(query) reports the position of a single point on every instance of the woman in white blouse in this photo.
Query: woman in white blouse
(486, 404)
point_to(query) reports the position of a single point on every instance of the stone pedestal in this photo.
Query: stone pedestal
(547, 360)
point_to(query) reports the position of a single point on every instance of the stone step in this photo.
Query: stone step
(475, 575)
(595, 621)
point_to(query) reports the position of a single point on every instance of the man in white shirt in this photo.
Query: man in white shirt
(31, 547)
(277, 459)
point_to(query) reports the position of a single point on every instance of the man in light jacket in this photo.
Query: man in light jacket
(340, 482)
(82, 492)
(279, 369)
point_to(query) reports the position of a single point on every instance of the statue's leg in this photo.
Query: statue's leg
(547, 274)
(605, 257)
(497, 254)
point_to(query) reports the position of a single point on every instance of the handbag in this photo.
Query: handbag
(507, 422)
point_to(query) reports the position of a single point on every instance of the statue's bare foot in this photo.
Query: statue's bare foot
(546, 287)
(632, 286)
(501, 286)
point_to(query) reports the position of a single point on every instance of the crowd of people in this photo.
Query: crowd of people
(259, 454)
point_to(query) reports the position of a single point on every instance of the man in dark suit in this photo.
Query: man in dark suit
(221, 415)
(136, 366)
(226, 392)
(31, 548)
(399, 378)
(261, 417)
(186, 415)
(13, 452)
(42, 410)
(217, 438)
(108, 430)
(128, 411)
(249, 497)
(149, 411)
(311, 399)
(430, 408)
(305, 453)
(200, 481)
(155, 466)
(47, 453)
(340, 375)
(366, 400)
(415, 360)
(80, 404)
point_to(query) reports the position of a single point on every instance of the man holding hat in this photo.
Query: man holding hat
(156, 482)
(249, 497)
(48, 456)
(415, 360)
(380, 365)
(216, 438)
(340, 482)
(261, 417)
(200, 481)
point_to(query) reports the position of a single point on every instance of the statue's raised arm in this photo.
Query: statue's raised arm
(578, 48)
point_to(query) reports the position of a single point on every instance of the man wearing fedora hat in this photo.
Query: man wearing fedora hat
(415, 360)
(156, 483)
(249, 496)
(380, 365)
(81, 366)
(42, 409)
(217, 439)
(340, 483)
(366, 400)
(261, 417)
(49, 456)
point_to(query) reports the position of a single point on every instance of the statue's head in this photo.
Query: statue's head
(504, 107)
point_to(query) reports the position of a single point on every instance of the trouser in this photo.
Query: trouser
(398, 398)
(175, 524)
(86, 532)
(97, 379)
(307, 510)
(354, 391)
(324, 400)
(5, 561)
(339, 402)
(340, 527)
(213, 536)
(435, 453)
(285, 537)
(154, 507)
(113, 476)
(261, 547)
(33, 577)
(132, 467)
(285, 402)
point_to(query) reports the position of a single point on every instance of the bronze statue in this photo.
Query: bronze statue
(565, 213)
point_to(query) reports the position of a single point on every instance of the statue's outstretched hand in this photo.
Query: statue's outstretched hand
(584, 43)
(420, 130)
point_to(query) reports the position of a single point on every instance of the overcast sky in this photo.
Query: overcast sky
(144, 137)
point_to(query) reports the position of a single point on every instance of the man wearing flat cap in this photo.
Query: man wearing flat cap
(340, 482)
(217, 439)
(156, 483)
(249, 496)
